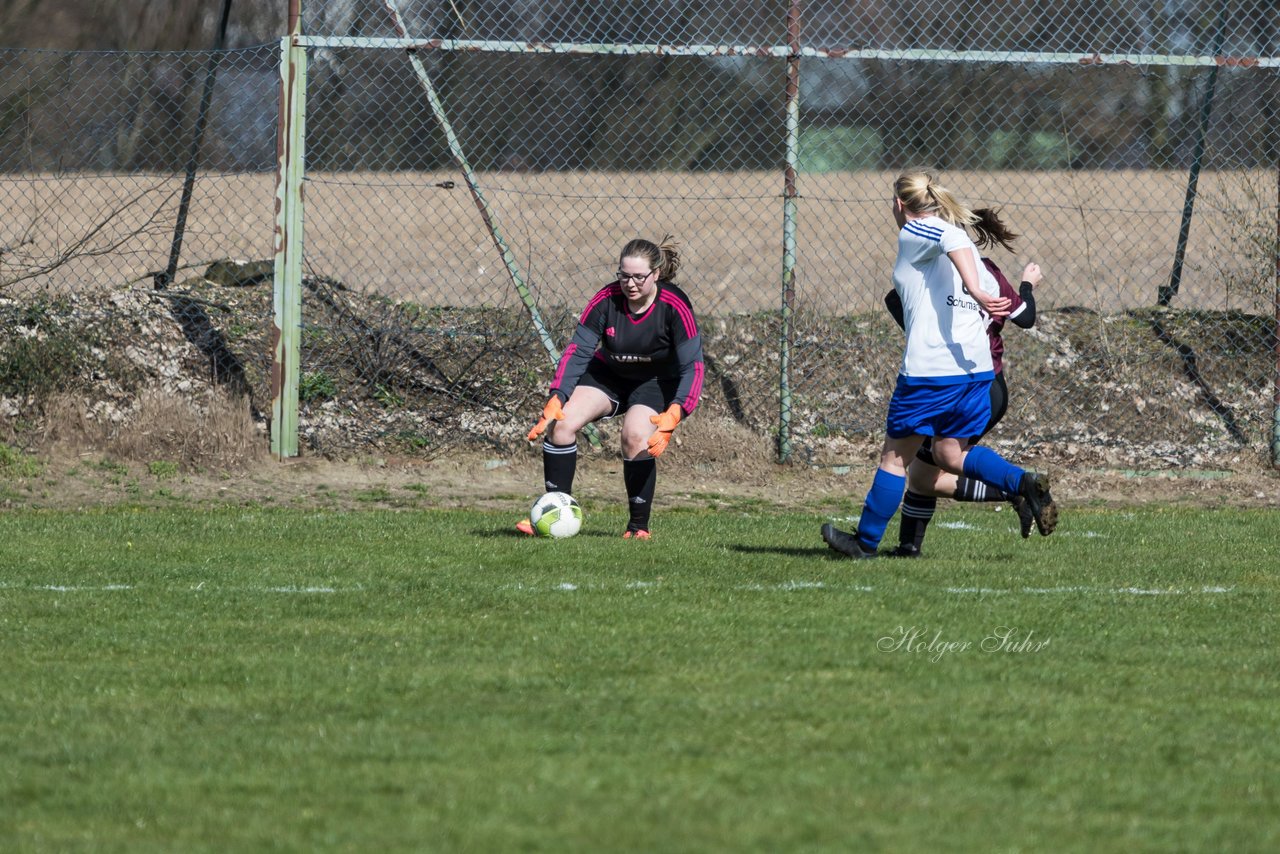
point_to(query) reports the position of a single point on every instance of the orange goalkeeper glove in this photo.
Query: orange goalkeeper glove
(550, 412)
(666, 422)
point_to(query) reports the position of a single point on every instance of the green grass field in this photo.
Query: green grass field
(260, 679)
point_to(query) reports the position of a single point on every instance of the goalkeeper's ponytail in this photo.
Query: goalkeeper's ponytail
(663, 256)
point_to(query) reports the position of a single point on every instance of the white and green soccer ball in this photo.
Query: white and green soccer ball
(556, 515)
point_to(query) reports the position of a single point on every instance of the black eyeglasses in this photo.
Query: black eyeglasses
(635, 277)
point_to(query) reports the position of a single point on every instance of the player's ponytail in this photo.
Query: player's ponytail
(668, 247)
(663, 257)
(949, 207)
(991, 230)
(920, 193)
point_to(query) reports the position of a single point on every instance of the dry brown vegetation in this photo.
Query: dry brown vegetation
(217, 432)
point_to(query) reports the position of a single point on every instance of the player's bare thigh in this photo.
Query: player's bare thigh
(636, 430)
(585, 405)
(897, 452)
(949, 453)
(927, 479)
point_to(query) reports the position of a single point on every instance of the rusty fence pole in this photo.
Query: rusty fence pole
(287, 243)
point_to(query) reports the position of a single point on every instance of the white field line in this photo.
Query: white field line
(1112, 591)
(797, 585)
(67, 588)
(647, 586)
(195, 588)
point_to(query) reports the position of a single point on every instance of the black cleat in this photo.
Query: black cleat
(1025, 518)
(845, 543)
(1035, 489)
(906, 550)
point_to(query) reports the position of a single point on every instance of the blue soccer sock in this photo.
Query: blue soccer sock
(882, 502)
(991, 468)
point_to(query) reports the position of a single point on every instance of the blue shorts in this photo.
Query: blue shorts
(957, 410)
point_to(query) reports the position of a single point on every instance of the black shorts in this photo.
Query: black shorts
(999, 406)
(657, 393)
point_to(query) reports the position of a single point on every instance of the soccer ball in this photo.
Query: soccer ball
(556, 515)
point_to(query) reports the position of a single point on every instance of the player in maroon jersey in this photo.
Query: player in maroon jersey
(636, 353)
(926, 483)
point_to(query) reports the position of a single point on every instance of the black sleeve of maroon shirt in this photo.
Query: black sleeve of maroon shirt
(1027, 317)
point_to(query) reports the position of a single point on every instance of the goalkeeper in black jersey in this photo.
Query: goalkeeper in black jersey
(636, 353)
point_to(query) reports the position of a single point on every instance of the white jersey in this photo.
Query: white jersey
(946, 330)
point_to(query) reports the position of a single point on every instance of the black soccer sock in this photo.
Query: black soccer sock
(972, 489)
(917, 511)
(559, 463)
(640, 478)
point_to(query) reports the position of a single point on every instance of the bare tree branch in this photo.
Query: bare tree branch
(107, 236)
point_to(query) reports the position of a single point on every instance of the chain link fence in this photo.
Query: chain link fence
(124, 179)
(1133, 147)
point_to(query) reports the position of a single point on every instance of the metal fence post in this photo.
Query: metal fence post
(1166, 294)
(290, 138)
(193, 158)
(1275, 400)
(789, 231)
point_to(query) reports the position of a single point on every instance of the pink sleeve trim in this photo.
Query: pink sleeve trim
(684, 312)
(564, 361)
(603, 294)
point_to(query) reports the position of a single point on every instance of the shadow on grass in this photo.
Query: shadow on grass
(512, 533)
(790, 551)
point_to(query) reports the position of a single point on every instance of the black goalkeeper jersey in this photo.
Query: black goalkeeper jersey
(662, 341)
